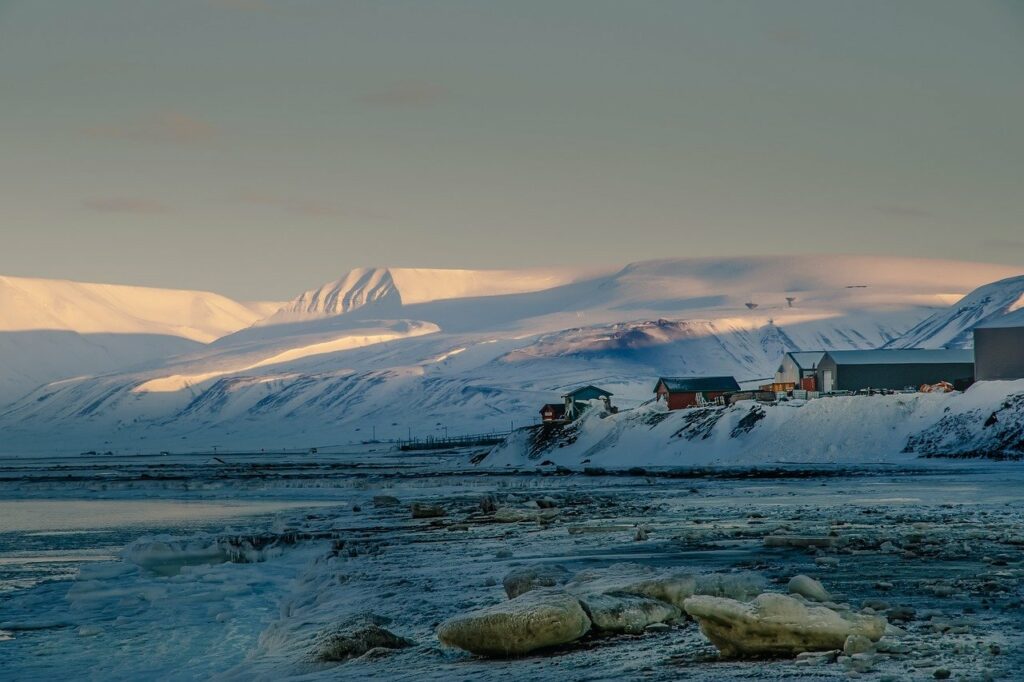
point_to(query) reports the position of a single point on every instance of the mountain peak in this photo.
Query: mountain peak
(953, 328)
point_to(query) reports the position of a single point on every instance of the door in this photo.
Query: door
(826, 381)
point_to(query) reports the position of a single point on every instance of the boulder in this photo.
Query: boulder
(626, 612)
(535, 620)
(422, 510)
(777, 625)
(355, 640)
(808, 588)
(526, 578)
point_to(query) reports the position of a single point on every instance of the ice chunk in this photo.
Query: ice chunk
(626, 612)
(777, 625)
(526, 578)
(808, 587)
(356, 639)
(535, 620)
(670, 587)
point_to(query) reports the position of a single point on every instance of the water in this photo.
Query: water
(249, 558)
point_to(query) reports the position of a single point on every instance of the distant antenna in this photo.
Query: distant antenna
(790, 300)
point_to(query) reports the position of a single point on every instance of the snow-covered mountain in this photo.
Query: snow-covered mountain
(28, 304)
(953, 328)
(57, 329)
(387, 289)
(397, 351)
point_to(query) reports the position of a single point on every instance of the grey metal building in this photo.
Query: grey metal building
(999, 348)
(854, 370)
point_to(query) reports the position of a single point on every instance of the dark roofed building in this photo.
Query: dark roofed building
(578, 400)
(855, 370)
(999, 348)
(680, 392)
(552, 412)
(587, 393)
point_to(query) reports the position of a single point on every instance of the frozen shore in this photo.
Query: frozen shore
(935, 551)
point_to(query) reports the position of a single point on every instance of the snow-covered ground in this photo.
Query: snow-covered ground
(986, 420)
(238, 568)
(394, 352)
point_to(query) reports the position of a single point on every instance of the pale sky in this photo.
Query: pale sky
(261, 147)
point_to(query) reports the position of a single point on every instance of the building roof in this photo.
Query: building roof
(697, 384)
(587, 393)
(557, 408)
(806, 359)
(1014, 319)
(906, 356)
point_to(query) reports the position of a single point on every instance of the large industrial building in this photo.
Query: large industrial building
(999, 348)
(855, 370)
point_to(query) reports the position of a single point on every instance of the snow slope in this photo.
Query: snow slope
(32, 304)
(953, 328)
(987, 419)
(415, 351)
(55, 329)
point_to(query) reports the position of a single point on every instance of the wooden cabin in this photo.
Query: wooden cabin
(578, 400)
(680, 392)
(553, 412)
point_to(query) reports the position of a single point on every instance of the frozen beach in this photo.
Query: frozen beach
(186, 568)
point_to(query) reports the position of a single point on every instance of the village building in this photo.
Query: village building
(553, 412)
(798, 370)
(855, 370)
(578, 400)
(999, 348)
(680, 392)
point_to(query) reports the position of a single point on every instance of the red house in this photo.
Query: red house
(553, 412)
(680, 392)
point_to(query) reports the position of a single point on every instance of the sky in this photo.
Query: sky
(261, 147)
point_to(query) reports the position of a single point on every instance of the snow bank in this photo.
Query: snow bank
(987, 419)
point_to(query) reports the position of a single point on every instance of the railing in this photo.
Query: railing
(446, 442)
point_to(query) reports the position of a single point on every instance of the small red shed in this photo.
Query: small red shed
(680, 392)
(553, 412)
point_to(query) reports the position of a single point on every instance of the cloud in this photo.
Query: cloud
(168, 127)
(125, 205)
(296, 206)
(411, 94)
(899, 211)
